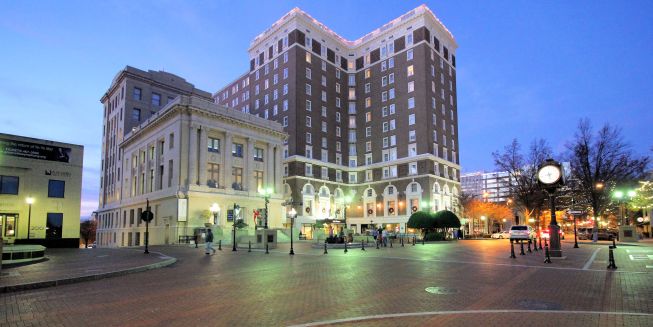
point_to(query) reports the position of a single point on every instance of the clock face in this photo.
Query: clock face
(548, 174)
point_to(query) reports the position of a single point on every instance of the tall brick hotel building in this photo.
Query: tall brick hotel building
(372, 121)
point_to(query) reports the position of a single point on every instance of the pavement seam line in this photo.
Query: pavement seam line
(463, 312)
(591, 259)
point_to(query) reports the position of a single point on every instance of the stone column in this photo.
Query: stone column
(225, 170)
(203, 150)
(248, 161)
(192, 157)
(278, 168)
(268, 174)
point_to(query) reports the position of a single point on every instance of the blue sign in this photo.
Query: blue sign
(230, 215)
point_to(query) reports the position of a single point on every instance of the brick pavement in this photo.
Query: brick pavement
(254, 289)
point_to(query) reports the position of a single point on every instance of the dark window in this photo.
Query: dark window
(252, 65)
(156, 99)
(131, 217)
(237, 150)
(331, 56)
(453, 60)
(436, 44)
(317, 47)
(261, 58)
(270, 52)
(258, 154)
(55, 225)
(280, 46)
(427, 34)
(9, 185)
(359, 63)
(445, 52)
(400, 44)
(375, 55)
(137, 94)
(56, 189)
(301, 37)
(343, 63)
(136, 114)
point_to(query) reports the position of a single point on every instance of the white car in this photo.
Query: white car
(521, 232)
(501, 235)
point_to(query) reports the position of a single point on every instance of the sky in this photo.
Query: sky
(526, 69)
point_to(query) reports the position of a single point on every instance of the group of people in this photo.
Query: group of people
(381, 236)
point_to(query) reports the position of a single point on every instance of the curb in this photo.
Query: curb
(73, 280)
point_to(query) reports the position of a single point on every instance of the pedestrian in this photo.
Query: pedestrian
(209, 241)
(195, 240)
(375, 234)
(384, 237)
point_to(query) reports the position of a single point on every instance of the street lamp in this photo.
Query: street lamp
(29, 201)
(266, 193)
(347, 202)
(620, 195)
(293, 214)
(235, 215)
(215, 208)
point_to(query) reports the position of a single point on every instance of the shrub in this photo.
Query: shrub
(435, 236)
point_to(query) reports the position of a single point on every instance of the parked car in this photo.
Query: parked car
(605, 234)
(501, 235)
(521, 232)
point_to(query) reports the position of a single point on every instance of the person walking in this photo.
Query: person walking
(384, 237)
(209, 241)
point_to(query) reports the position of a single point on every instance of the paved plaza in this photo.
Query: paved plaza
(460, 283)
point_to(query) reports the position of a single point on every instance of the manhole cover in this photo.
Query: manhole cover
(538, 305)
(441, 290)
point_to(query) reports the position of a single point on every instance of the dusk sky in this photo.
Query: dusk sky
(526, 69)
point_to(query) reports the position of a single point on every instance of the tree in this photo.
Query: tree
(523, 187)
(447, 219)
(420, 220)
(604, 159)
(87, 229)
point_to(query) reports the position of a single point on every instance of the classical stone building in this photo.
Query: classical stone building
(374, 118)
(185, 157)
(40, 191)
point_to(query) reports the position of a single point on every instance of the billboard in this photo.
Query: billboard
(34, 151)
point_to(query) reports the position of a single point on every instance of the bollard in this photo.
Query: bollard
(414, 239)
(546, 253)
(266, 248)
(402, 241)
(529, 246)
(220, 245)
(325, 248)
(612, 264)
(540, 242)
(390, 242)
(423, 240)
(546, 242)
(377, 244)
(614, 243)
(362, 246)
(521, 244)
(345, 247)
(512, 250)
(249, 246)
(535, 245)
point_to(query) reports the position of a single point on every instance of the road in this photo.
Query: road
(454, 283)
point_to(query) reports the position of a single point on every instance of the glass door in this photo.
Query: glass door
(9, 222)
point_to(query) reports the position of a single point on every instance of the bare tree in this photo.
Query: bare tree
(523, 187)
(87, 230)
(601, 159)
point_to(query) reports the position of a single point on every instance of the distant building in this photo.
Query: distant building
(183, 157)
(489, 187)
(40, 191)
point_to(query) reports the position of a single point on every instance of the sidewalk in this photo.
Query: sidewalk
(66, 266)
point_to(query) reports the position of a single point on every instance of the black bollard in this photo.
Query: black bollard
(325, 248)
(535, 245)
(362, 246)
(614, 244)
(512, 250)
(529, 246)
(266, 248)
(612, 264)
(249, 246)
(541, 243)
(521, 244)
(345, 247)
(414, 240)
(546, 253)
(402, 241)
(390, 242)
(423, 240)
(377, 244)
(220, 245)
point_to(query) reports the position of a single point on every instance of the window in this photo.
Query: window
(352, 93)
(411, 86)
(54, 225)
(9, 185)
(337, 102)
(368, 73)
(324, 96)
(368, 102)
(337, 117)
(391, 61)
(367, 88)
(338, 175)
(212, 175)
(136, 114)
(308, 89)
(337, 87)
(285, 56)
(309, 106)
(368, 131)
(308, 121)
(411, 103)
(214, 145)
(384, 80)
(384, 111)
(237, 177)
(137, 94)
(258, 154)
(323, 62)
(337, 131)
(409, 39)
(411, 119)
(324, 127)
(368, 117)
(352, 176)
(325, 173)
(391, 93)
(308, 73)
(392, 124)
(411, 136)
(308, 57)
(237, 150)
(384, 96)
(258, 179)
(156, 99)
(56, 188)
(285, 121)
(308, 170)
(391, 78)
(285, 73)
(324, 111)
(285, 105)
(309, 139)
(409, 54)
(384, 64)
(410, 71)
(324, 80)
(352, 79)
(368, 146)
(324, 142)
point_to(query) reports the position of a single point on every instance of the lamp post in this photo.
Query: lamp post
(293, 214)
(29, 201)
(236, 212)
(215, 208)
(575, 229)
(266, 193)
(347, 202)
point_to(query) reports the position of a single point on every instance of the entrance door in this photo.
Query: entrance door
(54, 225)
(9, 222)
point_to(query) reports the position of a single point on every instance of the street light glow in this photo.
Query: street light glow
(214, 208)
(632, 193)
(29, 200)
(618, 194)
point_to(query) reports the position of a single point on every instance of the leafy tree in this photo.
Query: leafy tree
(87, 229)
(420, 220)
(601, 158)
(446, 219)
(523, 187)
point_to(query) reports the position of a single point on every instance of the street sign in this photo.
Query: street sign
(230, 215)
(147, 216)
(575, 212)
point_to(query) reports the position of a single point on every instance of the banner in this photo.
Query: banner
(34, 151)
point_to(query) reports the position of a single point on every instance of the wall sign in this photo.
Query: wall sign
(34, 151)
(182, 209)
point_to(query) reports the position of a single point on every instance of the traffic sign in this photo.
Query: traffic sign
(147, 216)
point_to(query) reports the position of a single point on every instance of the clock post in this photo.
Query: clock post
(550, 178)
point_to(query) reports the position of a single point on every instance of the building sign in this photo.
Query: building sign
(34, 151)
(182, 208)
